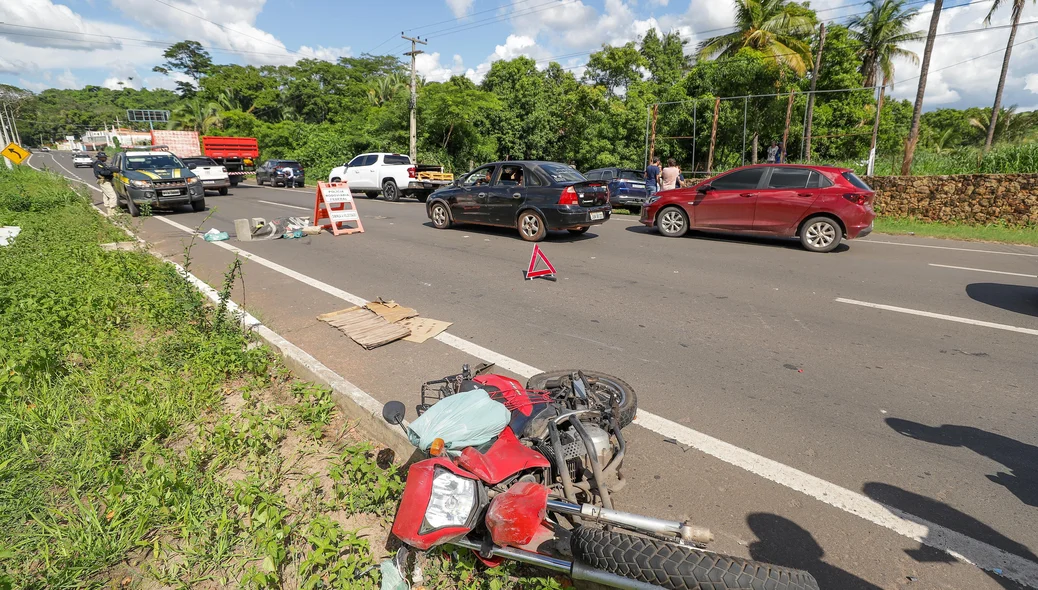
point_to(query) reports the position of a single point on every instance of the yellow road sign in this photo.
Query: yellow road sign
(15, 153)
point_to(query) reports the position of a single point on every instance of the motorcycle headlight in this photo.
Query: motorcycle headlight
(451, 501)
(140, 183)
(192, 180)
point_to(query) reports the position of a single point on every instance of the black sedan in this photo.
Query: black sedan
(533, 197)
(626, 186)
(285, 172)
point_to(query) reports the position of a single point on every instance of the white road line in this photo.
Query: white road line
(997, 272)
(940, 316)
(960, 546)
(284, 205)
(946, 248)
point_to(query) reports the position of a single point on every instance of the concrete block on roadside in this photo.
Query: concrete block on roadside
(243, 230)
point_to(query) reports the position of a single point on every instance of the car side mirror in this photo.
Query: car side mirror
(192, 166)
(705, 188)
(393, 412)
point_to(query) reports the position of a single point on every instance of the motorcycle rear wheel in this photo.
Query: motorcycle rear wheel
(678, 567)
(628, 402)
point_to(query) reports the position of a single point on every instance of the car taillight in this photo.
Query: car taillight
(412, 172)
(569, 196)
(860, 199)
(223, 169)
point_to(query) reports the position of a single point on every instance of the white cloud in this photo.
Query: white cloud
(954, 81)
(514, 46)
(460, 8)
(663, 3)
(430, 68)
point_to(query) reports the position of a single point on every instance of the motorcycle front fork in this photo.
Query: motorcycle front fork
(646, 524)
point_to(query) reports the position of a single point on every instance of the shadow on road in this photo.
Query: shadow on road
(1020, 458)
(950, 518)
(784, 542)
(787, 243)
(510, 232)
(1015, 298)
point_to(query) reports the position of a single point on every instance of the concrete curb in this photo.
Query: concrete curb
(353, 401)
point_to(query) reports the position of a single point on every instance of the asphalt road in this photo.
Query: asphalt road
(923, 411)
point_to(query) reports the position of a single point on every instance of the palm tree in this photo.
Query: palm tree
(197, 116)
(775, 28)
(1018, 8)
(1006, 125)
(385, 88)
(881, 31)
(917, 108)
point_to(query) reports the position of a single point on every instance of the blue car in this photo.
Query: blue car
(626, 186)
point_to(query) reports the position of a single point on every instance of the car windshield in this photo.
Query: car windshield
(561, 173)
(630, 175)
(289, 164)
(152, 161)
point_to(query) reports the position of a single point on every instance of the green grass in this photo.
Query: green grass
(987, 233)
(143, 442)
(1002, 159)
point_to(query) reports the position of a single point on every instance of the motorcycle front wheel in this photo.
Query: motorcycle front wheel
(679, 567)
(606, 385)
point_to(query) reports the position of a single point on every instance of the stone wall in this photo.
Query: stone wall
(976, 199)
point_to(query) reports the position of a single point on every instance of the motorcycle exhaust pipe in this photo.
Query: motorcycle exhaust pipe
(687, 533)
(574, 569)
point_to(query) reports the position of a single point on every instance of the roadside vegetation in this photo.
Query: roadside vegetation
(955, 231)
(147, 441)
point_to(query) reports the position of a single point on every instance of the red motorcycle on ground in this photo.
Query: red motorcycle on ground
(540, 492)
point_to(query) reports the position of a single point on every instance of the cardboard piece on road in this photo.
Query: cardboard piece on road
(366, 327)
(547, 273)
(15, 153)
(331, 204)
(391, 310)
(423, 329)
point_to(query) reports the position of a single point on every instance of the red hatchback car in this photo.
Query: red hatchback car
(819, 204)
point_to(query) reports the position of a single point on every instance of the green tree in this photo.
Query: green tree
(775, 28)
(522, 128)
(665, 57)
(881, 32)
(452, 114)
(188, 58)
(1008, 125)
(615, 67)
(1018, 9)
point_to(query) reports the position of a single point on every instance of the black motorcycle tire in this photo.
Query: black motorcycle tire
(628, 400)
(677, 567)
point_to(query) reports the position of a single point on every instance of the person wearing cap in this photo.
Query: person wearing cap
(103, 174)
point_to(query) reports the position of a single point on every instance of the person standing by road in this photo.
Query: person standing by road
(103, 173)
(773, 153)
(652, 178)
(669, 176)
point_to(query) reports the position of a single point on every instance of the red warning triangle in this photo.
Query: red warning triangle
(531, 273)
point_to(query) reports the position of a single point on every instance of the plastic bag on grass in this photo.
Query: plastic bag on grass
(466, 419)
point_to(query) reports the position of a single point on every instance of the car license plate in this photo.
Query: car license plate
(173, 193)
(596, 215)
(637, 185)
(208, 182)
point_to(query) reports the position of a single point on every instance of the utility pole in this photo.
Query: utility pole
(3, 134)
(414, 94)
(811, 97)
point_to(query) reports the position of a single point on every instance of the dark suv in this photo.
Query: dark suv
(155, 177)
(283, 172)
(626, 186)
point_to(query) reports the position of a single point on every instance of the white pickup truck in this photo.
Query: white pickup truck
(391, 174)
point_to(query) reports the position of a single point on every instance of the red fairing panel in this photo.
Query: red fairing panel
(415, 501)
(514, 517)
(506, 457)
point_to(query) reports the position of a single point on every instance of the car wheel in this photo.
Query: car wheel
(198, 205)
(441, 218)
(579, 230)
(132, 208)
(390, 190)
(259, 181)
(336, 179)
(672, 222)
(223, 192)
(821, 234)
(531, 226)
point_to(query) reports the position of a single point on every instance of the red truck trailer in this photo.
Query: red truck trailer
(237, 154)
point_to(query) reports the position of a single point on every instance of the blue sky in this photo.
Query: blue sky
(117, 40)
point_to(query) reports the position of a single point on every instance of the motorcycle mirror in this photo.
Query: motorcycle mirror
(393, 412)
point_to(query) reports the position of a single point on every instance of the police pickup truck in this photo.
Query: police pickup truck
(155, 177)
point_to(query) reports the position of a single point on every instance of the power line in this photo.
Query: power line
(496, 8)
(226, 28)
(526, 12)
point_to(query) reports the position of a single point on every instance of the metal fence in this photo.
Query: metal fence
(714, 133)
